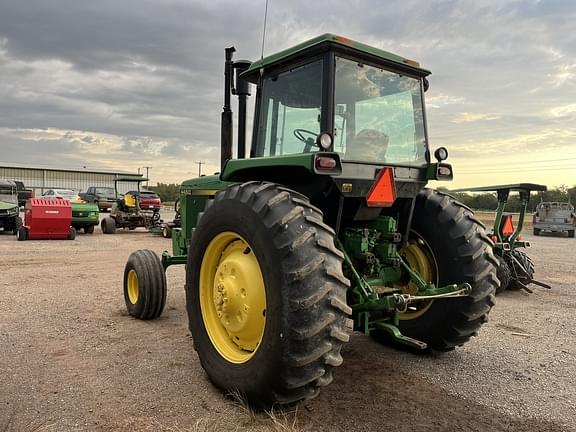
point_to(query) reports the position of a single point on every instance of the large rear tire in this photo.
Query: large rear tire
(265, 295)
(144, 285)
(460, 251)
(522, 269)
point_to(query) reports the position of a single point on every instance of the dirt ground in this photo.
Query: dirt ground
(72, 359)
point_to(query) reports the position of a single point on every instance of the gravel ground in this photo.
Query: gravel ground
(72, 359)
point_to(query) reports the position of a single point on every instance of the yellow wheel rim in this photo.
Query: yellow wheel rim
(418, 256)
(133, 287)
(232, 297)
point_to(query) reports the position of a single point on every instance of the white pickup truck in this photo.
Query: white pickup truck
(554, 217)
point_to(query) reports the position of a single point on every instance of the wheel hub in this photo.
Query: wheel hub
(133, 286)
(420, 259)
(234, 307)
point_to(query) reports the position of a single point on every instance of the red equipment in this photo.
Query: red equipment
(47, 218)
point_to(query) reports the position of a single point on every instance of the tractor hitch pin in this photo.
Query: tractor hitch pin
(403, 300)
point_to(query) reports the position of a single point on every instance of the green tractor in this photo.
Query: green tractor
(327, 227)
(516, 268)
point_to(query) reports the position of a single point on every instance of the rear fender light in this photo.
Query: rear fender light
(327, 163)
(444, 171)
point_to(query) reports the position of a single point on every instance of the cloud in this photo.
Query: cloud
(466, 117)
(140, 81)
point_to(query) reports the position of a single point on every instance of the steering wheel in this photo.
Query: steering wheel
(309, 141)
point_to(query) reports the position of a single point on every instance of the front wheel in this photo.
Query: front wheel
(166, 232)
(265, 295)
(448, 246)
(504, 274)
(22, 234)
(108, 225)
(89, 229)
(144, 285)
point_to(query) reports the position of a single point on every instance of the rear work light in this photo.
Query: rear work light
(383, 191)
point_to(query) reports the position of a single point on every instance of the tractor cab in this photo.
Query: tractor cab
(333, 108)
(362, 103)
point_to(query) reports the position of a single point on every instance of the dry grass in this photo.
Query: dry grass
(240, 417)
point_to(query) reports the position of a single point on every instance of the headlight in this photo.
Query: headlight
(92, 214)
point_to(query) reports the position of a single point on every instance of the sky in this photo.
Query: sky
(133, 83)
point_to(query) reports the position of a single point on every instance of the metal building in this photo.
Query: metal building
(39, 179)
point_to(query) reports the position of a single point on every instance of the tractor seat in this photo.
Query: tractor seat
(122, 205)
(368, 144)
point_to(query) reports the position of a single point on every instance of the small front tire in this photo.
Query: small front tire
(108, 225)
(71, 233)
(166, 232)
(503, 274)
(22, 234)
(144, 285)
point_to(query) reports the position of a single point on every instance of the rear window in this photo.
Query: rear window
(147, 194)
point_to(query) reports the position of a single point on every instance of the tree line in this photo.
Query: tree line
(488, 201)
(168, 192)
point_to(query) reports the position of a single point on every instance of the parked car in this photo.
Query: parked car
(147, 200)
(104, 197)
(9, 212)
(67, 194)
(84, 215)
(554, 217)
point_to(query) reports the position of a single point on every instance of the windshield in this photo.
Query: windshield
(378, 115)
(105, 191)
(66, 193)
(290, 112)
(8, 195)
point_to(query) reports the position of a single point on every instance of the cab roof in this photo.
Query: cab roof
(331, 40)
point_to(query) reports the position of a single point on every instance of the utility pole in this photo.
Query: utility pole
(147, 168)
(200, 163)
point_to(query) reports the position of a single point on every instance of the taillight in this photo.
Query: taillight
(325, 163)
(383, 191)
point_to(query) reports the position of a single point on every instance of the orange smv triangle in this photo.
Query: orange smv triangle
(383, 191)
(507, 226)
